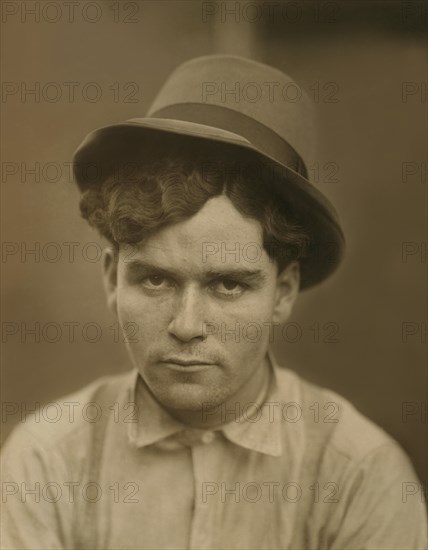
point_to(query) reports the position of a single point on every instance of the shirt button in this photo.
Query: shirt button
(207, 437)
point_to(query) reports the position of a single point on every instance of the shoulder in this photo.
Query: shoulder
(331, 423)
(379, 499)
(67, 422)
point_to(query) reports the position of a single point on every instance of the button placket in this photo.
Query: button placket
(203, 530)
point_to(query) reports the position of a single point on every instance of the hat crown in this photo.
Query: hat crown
(229, 107)
(245, 97)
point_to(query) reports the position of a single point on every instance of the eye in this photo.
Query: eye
(228, 287)
(229, 284)
(156, 282)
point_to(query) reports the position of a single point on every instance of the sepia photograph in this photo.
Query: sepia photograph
(214, 274)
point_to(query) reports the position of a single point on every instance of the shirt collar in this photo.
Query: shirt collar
(256, 428)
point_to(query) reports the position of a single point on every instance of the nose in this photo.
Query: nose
(187, 319)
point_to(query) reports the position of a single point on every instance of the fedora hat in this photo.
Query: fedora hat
(236, 106)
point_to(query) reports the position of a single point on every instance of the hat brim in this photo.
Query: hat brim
(106, 148)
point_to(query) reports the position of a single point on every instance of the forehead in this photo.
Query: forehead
(216, 235)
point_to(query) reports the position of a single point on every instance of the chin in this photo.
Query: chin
(190, 397)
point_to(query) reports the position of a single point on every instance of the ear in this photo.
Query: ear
(287, 290)
(110, 262)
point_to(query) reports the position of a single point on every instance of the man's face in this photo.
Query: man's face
(202, 296)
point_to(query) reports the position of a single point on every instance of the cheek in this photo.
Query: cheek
(245, 329)
(149, 316)
(254, 310)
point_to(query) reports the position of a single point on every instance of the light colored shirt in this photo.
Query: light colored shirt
(107, 467)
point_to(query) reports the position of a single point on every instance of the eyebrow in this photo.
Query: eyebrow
(136, 267)
(248, 275)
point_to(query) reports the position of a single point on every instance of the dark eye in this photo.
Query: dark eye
(228, 288)
(228, 284)
(156, 280)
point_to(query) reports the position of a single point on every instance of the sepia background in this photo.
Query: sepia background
(364, 64)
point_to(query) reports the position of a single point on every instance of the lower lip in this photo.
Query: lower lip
(187, 368)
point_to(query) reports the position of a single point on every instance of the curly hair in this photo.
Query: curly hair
(129, 207)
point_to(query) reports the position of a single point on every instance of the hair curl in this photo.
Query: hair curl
(128, 208)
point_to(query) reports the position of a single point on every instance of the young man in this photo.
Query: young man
(213, 230)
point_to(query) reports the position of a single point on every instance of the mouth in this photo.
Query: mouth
(186, 365)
